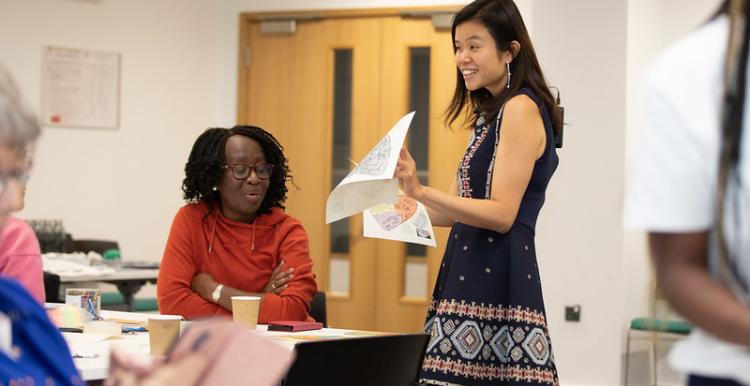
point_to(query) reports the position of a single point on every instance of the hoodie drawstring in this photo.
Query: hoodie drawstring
(252, 247)
(213, 231)
(213, 234)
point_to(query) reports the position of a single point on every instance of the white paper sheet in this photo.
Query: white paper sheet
(406, 220)
(370, 188)
(371, 182)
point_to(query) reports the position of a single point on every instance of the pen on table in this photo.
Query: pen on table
(85, 355)
(199, 341)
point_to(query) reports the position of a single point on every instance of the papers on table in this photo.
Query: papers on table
(371, 188)
(74, 264)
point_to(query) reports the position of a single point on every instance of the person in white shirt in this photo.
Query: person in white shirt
(689, 189)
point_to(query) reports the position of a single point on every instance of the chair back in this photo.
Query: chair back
(318, 308)
(98, 246)
(51, 287)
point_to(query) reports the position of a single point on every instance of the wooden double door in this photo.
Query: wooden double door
(329, 86)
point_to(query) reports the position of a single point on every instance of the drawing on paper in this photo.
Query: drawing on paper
(389, 216)
(376, 160)
(423, 226)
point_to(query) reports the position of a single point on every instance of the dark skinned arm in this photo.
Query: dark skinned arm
(682, 273)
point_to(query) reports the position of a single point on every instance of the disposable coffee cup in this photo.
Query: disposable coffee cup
(245, 310)
(162, 332)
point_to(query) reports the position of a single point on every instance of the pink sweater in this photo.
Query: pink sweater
(20, 256)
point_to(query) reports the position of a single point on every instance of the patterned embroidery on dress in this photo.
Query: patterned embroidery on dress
(464, 179)
(466, 369)
(449, 326)
(537, 346)
(468, 339)
(436, 332)
(438, 383)
(446, 346)
(483, 311)
(487, 345)
(501, 344)
(488, 181)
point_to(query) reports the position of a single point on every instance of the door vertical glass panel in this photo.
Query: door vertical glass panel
(339, 264)
(415, 269)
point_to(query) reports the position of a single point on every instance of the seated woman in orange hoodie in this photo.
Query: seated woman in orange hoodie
(233, 237)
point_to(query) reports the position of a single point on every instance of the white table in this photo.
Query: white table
(98, 347)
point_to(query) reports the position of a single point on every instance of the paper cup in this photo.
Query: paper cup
(245, 310)
(162, 332)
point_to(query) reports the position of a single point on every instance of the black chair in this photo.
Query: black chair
(392, 360)
(51, 288)
(98, 246)
(68, 244)
(318, 308)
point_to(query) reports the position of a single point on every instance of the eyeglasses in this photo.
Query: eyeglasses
(242, 171)
(21, 176)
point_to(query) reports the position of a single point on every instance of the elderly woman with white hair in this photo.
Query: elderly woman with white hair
(20, 255)
(34, 353)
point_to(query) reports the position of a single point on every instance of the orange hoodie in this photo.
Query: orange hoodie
(238, 255)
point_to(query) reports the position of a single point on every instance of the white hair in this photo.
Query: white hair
(19, 127)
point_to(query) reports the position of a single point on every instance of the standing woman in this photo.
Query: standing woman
(487, 317)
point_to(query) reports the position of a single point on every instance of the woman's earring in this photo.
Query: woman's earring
(214, 188)
(507, 71)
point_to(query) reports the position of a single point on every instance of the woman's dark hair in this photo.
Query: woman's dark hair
(204, 168)
(504, 22)
(733, 115)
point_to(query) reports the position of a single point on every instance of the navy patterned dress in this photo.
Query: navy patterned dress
(487, 320)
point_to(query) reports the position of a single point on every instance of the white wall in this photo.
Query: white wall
(119, 184)
(582, 47)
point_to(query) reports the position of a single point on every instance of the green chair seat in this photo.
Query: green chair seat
(145, 304)
(112, 298)
(671, 326)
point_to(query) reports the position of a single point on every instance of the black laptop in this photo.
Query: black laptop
(392, 360)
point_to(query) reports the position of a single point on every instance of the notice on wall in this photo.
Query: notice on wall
(80, 88)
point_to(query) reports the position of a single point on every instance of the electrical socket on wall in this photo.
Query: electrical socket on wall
(573, 313)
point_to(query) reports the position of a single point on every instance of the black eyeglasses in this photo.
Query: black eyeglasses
(242, 171)
(21, 176)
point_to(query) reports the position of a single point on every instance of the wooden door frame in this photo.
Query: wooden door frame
(247, 20)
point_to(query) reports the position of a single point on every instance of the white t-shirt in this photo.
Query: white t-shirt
(674, 172)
